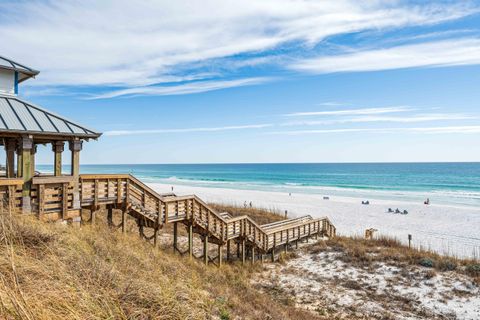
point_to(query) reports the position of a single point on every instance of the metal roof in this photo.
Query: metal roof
(24, 71)
(17, 116)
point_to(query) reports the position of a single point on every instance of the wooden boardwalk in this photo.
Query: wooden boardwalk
(52, 199)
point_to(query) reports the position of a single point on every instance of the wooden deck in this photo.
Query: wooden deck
(52, 199)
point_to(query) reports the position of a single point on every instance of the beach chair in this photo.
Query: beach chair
(405, 212)
(390, 210)
(397, 211)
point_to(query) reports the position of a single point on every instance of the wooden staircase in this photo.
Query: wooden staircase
(52, 199)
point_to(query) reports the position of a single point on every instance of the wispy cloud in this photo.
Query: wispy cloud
(432, 54)
(424, 130)
(187, 88)
(398, 119)
(362, 111)
(76, 44)
(186, 130)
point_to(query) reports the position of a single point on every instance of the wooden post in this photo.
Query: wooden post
(175, 234)
(238, 249)
(19, 161)
(10, 145)
(75, 148)
(253, 255)
(274, 245)
(243, 251)
(41, 200)
(155, 235)
(93, 214)
(205, 249)
(228, 250)
(124, 212)
(57, 148)
(33, 151)
(64, 201)
(220, 252)
(190, 240)
(110, 216)
(26, 145)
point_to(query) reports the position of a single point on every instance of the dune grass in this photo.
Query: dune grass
(53, 271)
(259, 215)
(363, 253)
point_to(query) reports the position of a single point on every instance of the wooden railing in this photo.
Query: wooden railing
(11, 194)
(158, 209)
(52, 198)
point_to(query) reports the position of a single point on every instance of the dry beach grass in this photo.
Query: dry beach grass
(51, 271)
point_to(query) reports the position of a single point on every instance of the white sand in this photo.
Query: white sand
(445, 229)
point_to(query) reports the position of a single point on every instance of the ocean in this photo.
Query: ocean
(446, 183)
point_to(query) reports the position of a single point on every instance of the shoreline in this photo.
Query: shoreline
(446, 229)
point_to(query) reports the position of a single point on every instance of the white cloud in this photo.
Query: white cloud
(424, 130)
(185, 130)
(138, 43)
(363, 111)
(402, 119)
(432, 54)
(187, 88)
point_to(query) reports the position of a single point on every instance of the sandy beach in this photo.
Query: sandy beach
(452, 230)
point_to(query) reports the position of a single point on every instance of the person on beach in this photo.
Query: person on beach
(245, 204)
(251, 205)
(427, 202)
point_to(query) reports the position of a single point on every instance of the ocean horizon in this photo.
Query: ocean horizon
(453, 183)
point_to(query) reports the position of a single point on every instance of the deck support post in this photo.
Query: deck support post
(140, 228)
(190, 240)
(25, 146)
(220, 252)
(124, 213)
(243, 251)
(296, 244)
(93, 214)
(238, 249)
(253, 255)
(57, 148)
(205, 249)
(273, 254)
(228, 250)
(75, 148)
(10, 145)
(155, 236)
(110, 216)
(175, 234)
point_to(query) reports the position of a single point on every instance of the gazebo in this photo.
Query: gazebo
(23, 126)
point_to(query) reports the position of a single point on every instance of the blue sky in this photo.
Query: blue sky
(270, 81)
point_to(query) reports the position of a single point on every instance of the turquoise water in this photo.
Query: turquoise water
(451, 183)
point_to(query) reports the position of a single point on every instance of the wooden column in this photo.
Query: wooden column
(220, 252)
(19, 161)
(253, 255)
(175, 234)
(10, 145)
(190, 240)
(243, 251)
(205, 249)
(57, 148)
(25, 146)
(228, 249)
(75, 148)
(110, 216)
(124, 213)
(33, 151)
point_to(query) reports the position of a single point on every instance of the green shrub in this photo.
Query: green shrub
(426, 262)
(447, 265)
(473, 269)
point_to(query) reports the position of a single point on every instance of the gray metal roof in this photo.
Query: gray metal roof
(17, 116)
(24, 71)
